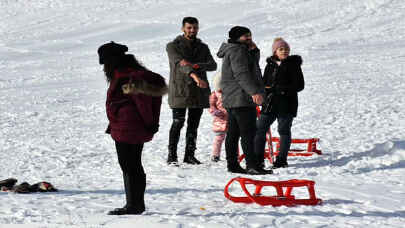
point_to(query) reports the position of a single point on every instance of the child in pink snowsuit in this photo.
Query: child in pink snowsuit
(220, 122)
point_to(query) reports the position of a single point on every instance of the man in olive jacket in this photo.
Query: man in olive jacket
(242, 91)
(189, 60)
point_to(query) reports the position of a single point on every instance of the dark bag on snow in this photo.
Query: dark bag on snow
(8, 185)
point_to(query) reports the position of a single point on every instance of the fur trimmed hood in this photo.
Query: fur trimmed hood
(145, 87)
(295, 59)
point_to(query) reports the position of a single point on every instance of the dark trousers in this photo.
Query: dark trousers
(130, 160)
(242, 124)
(193, 121)
(284, 129)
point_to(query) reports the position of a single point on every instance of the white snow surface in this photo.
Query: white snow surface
(52, 113)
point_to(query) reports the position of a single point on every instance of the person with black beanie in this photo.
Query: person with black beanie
(242, 90)
(134, 98)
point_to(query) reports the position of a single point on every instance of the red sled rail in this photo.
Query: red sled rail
(284, 190)
(310, 150)
(271, 152)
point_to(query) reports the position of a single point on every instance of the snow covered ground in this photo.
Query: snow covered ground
(52, 115)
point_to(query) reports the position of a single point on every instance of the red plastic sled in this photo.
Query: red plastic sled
(270, 152)
(283, 198)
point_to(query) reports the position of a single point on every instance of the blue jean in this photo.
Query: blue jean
(284, 129)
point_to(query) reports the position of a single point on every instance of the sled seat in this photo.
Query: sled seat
(271, 152)
(283, 189)
(309, 151)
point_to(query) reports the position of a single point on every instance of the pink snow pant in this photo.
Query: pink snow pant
(217, 143)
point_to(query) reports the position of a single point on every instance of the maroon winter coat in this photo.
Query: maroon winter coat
(134, 118)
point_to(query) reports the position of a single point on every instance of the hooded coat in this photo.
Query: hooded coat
(220, 121)
(285, 81)
(183, 91)
(134, 118)
(241, 75)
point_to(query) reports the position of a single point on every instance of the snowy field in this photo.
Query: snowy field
(52, 114)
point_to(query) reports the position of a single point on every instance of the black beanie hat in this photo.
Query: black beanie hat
(110, 50)
(237, 32)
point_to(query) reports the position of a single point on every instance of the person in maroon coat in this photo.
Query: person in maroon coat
(133, 105)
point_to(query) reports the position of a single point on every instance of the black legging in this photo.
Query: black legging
(130, 158)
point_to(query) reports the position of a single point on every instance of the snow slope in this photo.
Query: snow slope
(52, 116)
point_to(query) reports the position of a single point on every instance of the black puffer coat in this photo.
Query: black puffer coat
(283, 81)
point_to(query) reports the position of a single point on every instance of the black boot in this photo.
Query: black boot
(172, 156)
(280, 163)
(190, 150)
(260, 162)
(257, 167)
(174, 136)
(258, 171)
(190, 159)
(134, 192)
(232, 162)
(234, 167)
(285, 143)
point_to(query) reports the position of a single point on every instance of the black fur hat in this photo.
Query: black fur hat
(237, 32)
(109, 50)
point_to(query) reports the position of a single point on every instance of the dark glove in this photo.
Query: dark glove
(153, 128)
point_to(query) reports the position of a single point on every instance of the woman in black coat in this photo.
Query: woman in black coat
(283, 79)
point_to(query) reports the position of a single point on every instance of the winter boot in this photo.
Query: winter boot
(134, 193)
(258, 167)
(172, 156)
(174, 136)
(280, 163)
(281, 160)
(234, 167)
(260, 162)
(258, 171)
(190, 149)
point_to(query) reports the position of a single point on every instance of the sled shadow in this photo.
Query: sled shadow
(121, 191)
(338, 201)
(379, 150)
(178, 190)
(270, 212)
(78, 192)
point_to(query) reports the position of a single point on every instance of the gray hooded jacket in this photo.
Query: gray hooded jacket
(241, 75)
